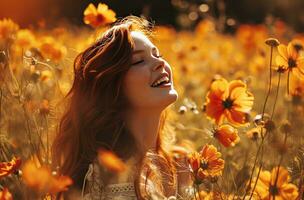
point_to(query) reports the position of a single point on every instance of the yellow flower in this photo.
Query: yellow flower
(290, 60)
(7, 168)
(6, 195)
(50, 49)
(24, 38)
(46, 75)
(100, 16)
(256, 133)
(228, 100)
(211, 163)
(205, 164)
(296, 86)
(42, 180)
(194, 161)
(111, 161)
(226, 135)
(8, 28)
(251, 36)
(275, 185)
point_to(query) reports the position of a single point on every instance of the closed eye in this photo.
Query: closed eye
(138, 62)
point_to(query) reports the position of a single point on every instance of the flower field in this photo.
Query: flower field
(240, 111)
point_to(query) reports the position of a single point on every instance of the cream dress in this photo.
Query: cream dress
(94, 188)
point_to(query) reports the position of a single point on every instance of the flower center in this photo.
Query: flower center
(227, 103)
(204, 165)
(298, 47)
(100, 18)
(273, 190)
(291, 63)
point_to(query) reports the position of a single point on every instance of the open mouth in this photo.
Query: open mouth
(163, 81)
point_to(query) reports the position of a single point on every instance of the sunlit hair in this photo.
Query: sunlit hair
(94, 114)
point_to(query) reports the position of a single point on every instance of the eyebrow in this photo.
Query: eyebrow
(141, 50)
(138, 51)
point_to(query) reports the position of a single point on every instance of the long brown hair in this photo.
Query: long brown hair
(96, 102)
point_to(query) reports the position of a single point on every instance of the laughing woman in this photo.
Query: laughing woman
(118, 102)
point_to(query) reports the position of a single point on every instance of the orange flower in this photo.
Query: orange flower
(44, 108)
(8, 28)
(256, 133)
(229, 100)
(226, 135)
(100, 16)
(275, 184)
(289, 59)
(7, 168)
(110, 161)
(24, 38)
(250, 36)
(211, 163)
(5, 195)
(206, 164)
(51, 49)
(42, 180)
(194, 161)
(296, 86)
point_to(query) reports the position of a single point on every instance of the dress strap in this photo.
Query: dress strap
(89, 173)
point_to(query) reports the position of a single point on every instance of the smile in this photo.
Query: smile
(162, 81)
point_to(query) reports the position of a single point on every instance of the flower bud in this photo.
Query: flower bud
(3, 58)
(182, 109)
(269, 125)
(272, 42)
(285, 127)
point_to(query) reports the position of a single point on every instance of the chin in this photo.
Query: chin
(171, 98)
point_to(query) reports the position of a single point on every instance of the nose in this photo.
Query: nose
(159, 64)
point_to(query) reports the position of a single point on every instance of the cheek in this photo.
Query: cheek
(136, 84)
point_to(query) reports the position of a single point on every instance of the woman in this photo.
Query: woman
(121, 89)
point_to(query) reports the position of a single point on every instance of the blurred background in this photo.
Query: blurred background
(182, 14)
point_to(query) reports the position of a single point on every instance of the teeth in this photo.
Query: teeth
(166, 79)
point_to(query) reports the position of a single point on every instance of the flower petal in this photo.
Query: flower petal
(291, 51)
(282, 49)
(281, 62)
(282, 174)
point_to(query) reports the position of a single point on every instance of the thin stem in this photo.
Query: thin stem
(254, 164)
(258, 175)
(256, 181)
(198, 192)
(47, 139)
(195, 191)
(269, 85)
(281, 159)
(288, 76)
(263, 112)
(276, 97)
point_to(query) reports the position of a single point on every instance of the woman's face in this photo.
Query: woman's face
(148, 83)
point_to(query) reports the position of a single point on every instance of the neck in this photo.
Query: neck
(144, 125)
